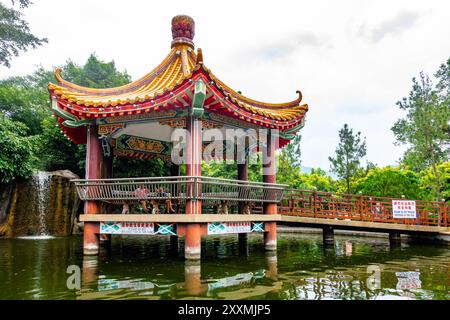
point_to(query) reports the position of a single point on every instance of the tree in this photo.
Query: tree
(289, 162)
(390, 182)
(16, 150)
(15, 35)
(424, 128)
(350, 151)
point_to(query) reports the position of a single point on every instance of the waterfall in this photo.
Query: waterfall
(42, 184)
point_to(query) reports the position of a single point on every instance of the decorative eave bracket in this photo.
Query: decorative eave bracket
(71, 121)
(198, 99)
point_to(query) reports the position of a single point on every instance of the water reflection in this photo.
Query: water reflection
(153, 268)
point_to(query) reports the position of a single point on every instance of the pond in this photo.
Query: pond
(154, 268)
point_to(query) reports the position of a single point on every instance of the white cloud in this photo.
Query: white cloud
(397, 25)
(269, 50)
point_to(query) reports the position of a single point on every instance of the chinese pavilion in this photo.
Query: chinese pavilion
(138, 120)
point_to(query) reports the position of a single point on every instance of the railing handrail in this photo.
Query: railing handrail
(178, 178)
(357, 196)
(178, 187)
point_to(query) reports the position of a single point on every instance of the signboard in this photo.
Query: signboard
(137, 228)
(402, 209)
(235, 227)
(111, 284)
(408, 280)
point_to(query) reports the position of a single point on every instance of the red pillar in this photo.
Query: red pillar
(93, 171)
(269, 176)
(192, 246)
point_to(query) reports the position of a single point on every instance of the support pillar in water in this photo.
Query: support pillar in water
(243, 243)
(395, 238)
(173, 241)
(328, 235)
(105, 238)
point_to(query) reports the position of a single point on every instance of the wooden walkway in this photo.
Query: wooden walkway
(358, 212)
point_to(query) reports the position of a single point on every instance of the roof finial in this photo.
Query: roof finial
(183, 30)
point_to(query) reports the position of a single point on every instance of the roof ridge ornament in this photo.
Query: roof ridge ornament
(183, 31)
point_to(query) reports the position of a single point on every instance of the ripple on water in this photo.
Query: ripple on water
(45, 237)
(145, 268)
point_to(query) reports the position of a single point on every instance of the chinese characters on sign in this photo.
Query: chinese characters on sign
(408, 280)
(235, 227)
(127, 228)
(403, 209)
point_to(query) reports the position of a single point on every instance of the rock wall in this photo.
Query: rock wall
(46, 204)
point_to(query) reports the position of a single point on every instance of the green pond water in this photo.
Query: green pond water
(151, 268)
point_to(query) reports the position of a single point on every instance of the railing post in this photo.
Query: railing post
(361, 207)
(442, 221)
(315, 203)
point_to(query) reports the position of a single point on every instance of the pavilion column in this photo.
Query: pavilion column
(192, 247)
(269, 176)
(94, 157)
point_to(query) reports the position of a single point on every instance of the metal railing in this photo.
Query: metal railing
(306, 203)
(120, 190)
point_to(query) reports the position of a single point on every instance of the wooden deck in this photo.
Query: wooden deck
(178, 218)
(363, 225)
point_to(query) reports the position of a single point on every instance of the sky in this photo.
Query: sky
(352, 60)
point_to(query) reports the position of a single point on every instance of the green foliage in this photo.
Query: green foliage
(429, 183)
(443, 85)
(350, 151)
(317, 180)
(16, 150)
(57, 152)
(95, 74)
(220, 169)
(25, 99)
(131, 167)
(15, 35)
(390, 182)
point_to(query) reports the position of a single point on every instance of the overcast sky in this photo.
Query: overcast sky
(352, 60)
